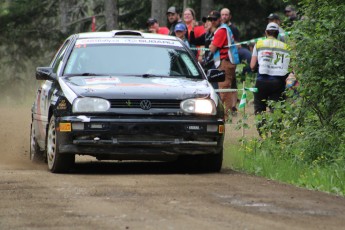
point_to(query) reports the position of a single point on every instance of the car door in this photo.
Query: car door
(44, 96)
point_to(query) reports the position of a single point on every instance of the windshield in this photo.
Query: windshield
(129, 59)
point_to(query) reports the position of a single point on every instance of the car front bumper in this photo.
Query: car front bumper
(139, 138)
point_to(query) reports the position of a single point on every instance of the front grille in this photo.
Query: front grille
(135, 103)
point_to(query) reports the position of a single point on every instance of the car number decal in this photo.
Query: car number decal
(102, 80)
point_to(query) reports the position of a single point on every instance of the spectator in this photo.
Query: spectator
(153, 27)
(205, 40)
(189, 20)
(173, 16)
(180, 32)
(225, 57)
(245, 57)
(291, 14)
(226, 17)
(276, 19)
(273, 58)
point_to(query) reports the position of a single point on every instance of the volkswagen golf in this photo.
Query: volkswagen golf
(126, 95)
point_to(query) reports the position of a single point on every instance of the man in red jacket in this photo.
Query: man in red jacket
(225, 56)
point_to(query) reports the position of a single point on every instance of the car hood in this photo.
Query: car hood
(134, 87)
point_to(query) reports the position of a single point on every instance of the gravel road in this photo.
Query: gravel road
(136, 195)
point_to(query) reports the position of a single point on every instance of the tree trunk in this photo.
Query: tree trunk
(63, 8)
(111, 14)
(206, 7)
(158, 11)
(185, 4)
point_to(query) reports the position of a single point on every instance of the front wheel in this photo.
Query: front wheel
(57, 163)
(202, 163)
(212, 162)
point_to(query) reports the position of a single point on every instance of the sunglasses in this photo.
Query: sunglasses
(212, 19)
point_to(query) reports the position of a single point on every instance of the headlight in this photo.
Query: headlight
(88, 104)
(200, 106)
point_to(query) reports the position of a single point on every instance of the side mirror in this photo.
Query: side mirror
(45, 73)
(215, 75)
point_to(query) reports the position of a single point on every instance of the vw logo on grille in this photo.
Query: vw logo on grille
(145, 104)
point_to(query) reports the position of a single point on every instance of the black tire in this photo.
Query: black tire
(36, 154)
(211, 162)
(57, 163)
(202, 163)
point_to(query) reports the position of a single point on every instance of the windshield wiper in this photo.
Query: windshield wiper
(93, 74)
(186, 76)
(153, 75)
(86, 74)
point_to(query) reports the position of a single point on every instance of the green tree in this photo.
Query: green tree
(312, 128)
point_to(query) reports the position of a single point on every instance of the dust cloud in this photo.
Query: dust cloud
(15, 114)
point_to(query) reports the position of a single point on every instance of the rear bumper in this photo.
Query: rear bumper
(140, 138)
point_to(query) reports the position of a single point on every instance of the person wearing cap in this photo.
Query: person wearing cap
(173, 16)
(180, 32)
(205, 40)
(276, 19)
(225, 56)
(272, 57)
(154, 27)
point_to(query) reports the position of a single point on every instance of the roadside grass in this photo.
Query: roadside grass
(249, 155)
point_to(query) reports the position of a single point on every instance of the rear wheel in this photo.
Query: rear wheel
(57, 163)
(36, 154)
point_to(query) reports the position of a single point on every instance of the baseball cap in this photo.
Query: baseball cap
(289, 8)
(272, 26)
(273, 16)
(212, 15)
(172, 9)
(151, 21)
(180, 27)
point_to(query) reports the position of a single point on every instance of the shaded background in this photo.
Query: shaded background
(32, 30)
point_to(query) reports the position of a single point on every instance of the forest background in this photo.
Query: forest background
(305, 142)
(32, 30)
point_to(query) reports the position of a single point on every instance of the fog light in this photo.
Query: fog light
(212, 128)
(65, 127)
(78, 126)
(96, 126)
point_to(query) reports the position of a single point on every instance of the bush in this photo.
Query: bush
(312, 126)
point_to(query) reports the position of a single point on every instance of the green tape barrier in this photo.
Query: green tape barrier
(255, 90)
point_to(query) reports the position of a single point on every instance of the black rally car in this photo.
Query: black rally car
(126, 95)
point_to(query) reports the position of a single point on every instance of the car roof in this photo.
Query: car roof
(125, 33)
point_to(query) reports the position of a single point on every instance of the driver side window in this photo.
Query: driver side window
(59, 56)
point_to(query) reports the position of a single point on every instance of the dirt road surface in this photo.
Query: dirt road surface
(113, 195)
